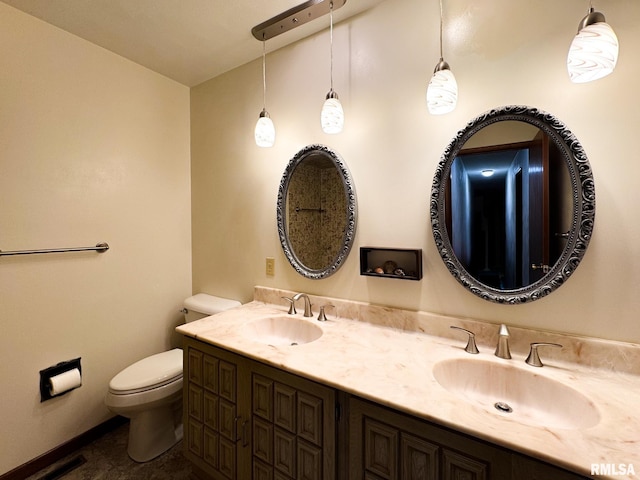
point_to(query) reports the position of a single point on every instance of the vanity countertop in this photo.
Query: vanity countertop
(393, 367)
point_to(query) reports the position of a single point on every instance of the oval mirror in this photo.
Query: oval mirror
(316, 212)
(513, 204)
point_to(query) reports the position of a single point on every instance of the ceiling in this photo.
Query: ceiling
(189, 41)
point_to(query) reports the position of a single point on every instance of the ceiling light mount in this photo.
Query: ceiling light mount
(295, 17)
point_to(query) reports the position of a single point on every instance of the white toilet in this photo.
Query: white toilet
(149, 392)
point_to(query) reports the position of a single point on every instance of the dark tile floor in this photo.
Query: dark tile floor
(107, 459)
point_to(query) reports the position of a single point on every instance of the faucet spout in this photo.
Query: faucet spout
(502, 349)
(307, 303)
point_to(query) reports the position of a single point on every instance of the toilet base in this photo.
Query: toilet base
(153, 432)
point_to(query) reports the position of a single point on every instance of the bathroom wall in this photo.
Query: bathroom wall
(502, 52)
(93, 148)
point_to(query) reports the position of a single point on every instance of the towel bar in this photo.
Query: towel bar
(100, 247)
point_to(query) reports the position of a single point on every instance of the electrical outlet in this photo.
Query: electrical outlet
(271, 266)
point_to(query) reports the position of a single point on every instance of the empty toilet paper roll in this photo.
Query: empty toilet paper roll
(65, 381)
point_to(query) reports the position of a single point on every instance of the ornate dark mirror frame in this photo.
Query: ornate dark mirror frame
(351, 212)
(583, 193)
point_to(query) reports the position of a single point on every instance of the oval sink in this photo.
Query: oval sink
(518, 393)
(284, 330)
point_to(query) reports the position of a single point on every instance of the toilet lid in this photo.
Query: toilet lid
(149, 372)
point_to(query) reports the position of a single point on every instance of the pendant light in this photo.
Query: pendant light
(265, 132)
(442, 92)
(332, 116)
(593, 53)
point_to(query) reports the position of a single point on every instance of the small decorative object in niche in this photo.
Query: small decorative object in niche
(400, 263)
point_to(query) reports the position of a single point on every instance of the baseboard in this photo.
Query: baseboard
(61, 451)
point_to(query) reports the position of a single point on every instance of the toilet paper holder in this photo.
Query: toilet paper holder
(48, 373)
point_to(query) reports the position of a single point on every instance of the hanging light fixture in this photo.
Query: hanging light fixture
(594, 50)
(265, 132)
(332, 115)
(442, 92)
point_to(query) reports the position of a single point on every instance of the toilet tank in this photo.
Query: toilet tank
(202, 305)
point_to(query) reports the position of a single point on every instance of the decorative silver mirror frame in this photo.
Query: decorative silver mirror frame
(583, 193)
(351, 213)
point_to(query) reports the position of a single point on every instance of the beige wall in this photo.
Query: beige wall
(92, 148)
(502, 52)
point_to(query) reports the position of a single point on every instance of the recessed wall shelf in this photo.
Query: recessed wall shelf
(405, 264)
(294, 17)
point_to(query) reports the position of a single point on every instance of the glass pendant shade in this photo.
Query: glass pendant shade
(442, 92)
(332, 115)
(594, 51)
(265, 132)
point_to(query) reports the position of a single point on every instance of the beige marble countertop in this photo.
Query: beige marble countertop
(393, 366)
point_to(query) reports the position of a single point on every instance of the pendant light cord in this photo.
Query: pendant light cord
(264, 74)
(331, 39)
(441, 22)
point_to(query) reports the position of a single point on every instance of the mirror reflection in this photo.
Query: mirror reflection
(513, 204)
(316, 211)
(510, 190)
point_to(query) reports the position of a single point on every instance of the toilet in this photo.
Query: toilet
(149, 392)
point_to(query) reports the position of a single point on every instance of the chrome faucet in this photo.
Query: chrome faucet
(307, 303)
(502, 349)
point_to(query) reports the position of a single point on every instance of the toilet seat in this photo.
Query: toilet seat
(148, 374)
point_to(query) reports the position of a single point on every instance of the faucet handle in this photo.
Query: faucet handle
(534, 359)
(321, 316)
(292, 305)
(471, 343)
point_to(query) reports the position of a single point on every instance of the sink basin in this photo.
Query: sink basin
(516, 392)
(283, 331)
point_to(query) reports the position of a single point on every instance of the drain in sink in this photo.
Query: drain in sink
(503, 407)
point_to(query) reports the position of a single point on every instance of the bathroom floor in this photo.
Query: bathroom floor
(106, 458)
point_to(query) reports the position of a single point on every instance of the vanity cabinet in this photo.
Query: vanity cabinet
(244, 419)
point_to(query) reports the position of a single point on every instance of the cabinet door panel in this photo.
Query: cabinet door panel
(263, 440)
(210, 374)
(460, 467)
(194, 402)
(381, 449)
(194, 363)
(227, 458)
(309, 461)
(211, 448)
(310, 418)
(227, 381)
(228, 420)
(419, 458)
(194, 437)
(210, 410)
(284, 452)
(262, 397)
(285, 407)
(261, 471)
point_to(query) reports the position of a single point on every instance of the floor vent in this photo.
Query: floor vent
(64, 468)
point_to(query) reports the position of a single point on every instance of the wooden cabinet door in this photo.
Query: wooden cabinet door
(293, 426)
(388, 445)
(244, 419)
(211, 411)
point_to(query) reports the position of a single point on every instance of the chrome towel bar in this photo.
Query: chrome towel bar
(100, 247)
